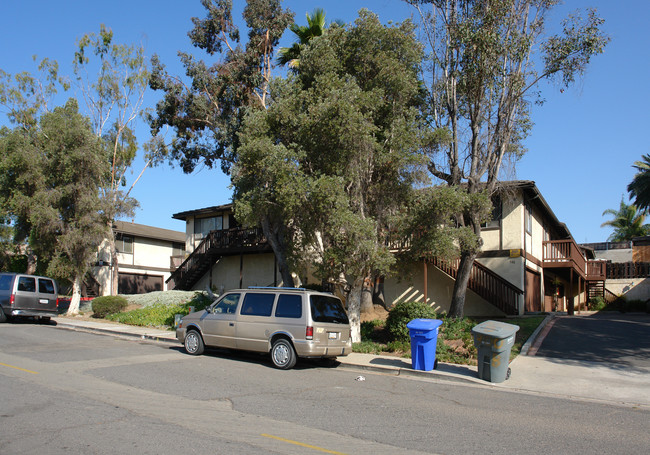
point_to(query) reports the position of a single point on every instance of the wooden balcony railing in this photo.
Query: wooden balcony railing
(486, 284)
(217, 243)
(567, 253)
(626, 270)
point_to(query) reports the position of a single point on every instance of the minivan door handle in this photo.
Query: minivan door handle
(232, 324)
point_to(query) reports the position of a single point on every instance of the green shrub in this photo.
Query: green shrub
(108, 304)
(404, 312)
(368, 329)
(597, 304)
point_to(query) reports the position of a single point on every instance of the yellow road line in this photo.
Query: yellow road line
(301, 444)
(18, 368)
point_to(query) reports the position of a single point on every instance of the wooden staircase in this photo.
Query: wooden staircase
(487, 284)
(214, 246)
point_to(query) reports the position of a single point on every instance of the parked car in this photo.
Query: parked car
(28, 295)
(286, 322)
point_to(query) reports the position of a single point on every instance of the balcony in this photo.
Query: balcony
(567, 254)
(214, 245)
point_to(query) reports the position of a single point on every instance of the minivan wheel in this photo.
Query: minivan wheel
(193, 343)
(3, 316)
(283, 355)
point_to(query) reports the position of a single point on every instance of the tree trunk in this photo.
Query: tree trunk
(114, 269)
(275, 236)
(378, 297)
(73, 309)
(457, 307)
(354, 309)
(32, 262)
(367, 305)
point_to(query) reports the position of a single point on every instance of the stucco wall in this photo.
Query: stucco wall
(410, 287)
(631, 288)
(257, 270)
(150, 257)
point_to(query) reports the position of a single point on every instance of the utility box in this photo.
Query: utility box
(493, 341)
(424, 337)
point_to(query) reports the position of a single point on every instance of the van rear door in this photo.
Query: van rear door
(331, 324)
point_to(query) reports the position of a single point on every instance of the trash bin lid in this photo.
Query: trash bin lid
(496, 329)
(424, 324)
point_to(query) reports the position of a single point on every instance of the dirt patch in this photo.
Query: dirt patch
(378, 312)
(457, 346)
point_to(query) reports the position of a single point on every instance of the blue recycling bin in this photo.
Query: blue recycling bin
(424, 337)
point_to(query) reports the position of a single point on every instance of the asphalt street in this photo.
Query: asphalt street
(73, 392)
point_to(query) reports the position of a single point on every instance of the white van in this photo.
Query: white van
(286, 322)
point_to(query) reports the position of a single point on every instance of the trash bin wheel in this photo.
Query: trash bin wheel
(435, 364)
(508, 373)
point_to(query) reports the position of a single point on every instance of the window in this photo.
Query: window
(45, 286)
(289, 306)
(327, 309)
(528, 219)
(228, 304)
(124, 244)
(257, 304)
(178, 249)
(203, 226)
(497, 213)
(26, 284)
(5, 282)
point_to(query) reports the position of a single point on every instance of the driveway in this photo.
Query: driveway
(600, 356)
(617, 340)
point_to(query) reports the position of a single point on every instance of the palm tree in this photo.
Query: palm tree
(627, 223)
(639, 189)
(305, 33)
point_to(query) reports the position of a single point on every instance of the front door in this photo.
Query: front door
(533, 300)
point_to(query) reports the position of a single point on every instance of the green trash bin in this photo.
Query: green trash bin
(493, 341)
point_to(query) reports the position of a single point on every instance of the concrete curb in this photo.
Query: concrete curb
(531, 339)
(119, 333)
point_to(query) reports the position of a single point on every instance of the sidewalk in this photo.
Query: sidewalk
(538, 375)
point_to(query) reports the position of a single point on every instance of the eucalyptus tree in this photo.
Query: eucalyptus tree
(24, 98)
(205, 109)
(51, 180)
(486, 61)
(113, 79)
(336, 154)
(639, 188)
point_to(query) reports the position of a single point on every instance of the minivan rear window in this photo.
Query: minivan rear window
(257, 304)
(5, 282)
(327, 309)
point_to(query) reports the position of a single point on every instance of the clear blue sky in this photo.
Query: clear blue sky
(580, 151)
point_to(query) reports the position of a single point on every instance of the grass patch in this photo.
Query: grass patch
(455, 342)
(160, 314)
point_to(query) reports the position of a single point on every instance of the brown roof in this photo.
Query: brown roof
(203, 211)
(150, 232)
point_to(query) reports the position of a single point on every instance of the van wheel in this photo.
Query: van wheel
(194, 343)
(3, 316)
(282, 354)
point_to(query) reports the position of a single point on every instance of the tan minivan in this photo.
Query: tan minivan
(286, 322)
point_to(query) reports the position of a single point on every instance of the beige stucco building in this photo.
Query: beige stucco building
(145, 258)
(529, 261)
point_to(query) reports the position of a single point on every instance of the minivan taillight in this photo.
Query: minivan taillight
(309, 333)
(57, 302)
(12, 299)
